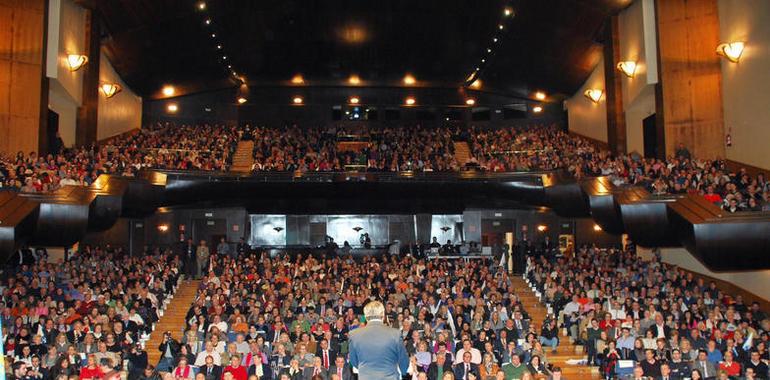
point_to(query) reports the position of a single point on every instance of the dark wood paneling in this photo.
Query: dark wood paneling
(88, 112)
(22, 32)
(691, 76)
(616, 119)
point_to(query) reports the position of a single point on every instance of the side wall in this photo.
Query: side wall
(587, 118)
(122, 112)
(745, 84)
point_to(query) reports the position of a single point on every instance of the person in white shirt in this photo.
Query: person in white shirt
(200, 359)
(468, 347)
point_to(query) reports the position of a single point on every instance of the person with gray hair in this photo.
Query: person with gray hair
(376, 350)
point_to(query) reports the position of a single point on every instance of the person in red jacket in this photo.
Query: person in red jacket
(236, 369)
(732, 368)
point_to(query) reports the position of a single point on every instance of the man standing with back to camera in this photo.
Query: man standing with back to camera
(376, 350)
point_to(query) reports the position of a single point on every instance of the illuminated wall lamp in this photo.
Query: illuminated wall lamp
(470, 101)
(298, 79)
(163, 227)
(242, 100)
(410, 101)
(627, 67)
(597, 228)
(76, 61)
(354, 100)
(110, 89)
(172, 108)
(593, 94)
(542, 228)
(731, 50)
(297, 100)
(537, 109)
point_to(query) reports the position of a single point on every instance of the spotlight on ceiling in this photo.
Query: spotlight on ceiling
(470, 101)
(476, 84)
(202, 5)
(354, 79)
(297, 100)
(354, 100)
(219, 47)
(76, 61)
(500, 27)
(242, 100)
(168, 90)
(494, 39)
(409, 80)
(489, 50)
(732, 51)
(213, 35)
(208, 21)
(540, 95)
(298, 79)
(410, 101)
(172, 108)
(593, 94)
(627, 67)
(110, 89)
(537, 109)
(508, 11)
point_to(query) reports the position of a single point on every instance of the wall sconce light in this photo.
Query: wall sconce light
(110, 89)
(540, 95)
(627, 67)
(470, 101)
(76, 61)
(537, 109)
(731, 50)
(476, 84)
(172, 108)
(593, 94)
(241, 100)
(597, 228)
(410, 101)
(298, 79)
(354, 100)
(297, 100)
(409, 80)
(162, 227)
(542, 227)
(354, 79)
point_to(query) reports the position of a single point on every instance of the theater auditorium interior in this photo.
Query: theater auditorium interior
(532, 189)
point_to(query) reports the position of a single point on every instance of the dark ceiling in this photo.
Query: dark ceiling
(549, 45)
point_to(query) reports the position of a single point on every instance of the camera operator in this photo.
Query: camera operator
(169, 349)
(137, 361)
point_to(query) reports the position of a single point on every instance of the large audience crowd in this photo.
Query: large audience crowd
(647, 318)
(294, 148)
(159, 146)
(290, 317)
(85, 317)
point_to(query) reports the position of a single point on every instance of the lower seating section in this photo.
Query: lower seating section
(86, 316)
(646, 318)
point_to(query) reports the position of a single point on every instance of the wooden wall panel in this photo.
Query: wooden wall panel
(690, 76)
(22, 31)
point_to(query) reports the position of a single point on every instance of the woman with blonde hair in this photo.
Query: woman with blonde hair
(488, 368)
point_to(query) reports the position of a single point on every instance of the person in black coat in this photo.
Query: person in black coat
(440, 362)
(340, 367)
(211, 371)
(188, 258)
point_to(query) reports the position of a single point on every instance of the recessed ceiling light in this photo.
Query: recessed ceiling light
(202, 5)
(500, 26)
(224, 57)
(213, 35)
(508, 11)
(219, 46)
(483, 60)
(489, 50)
(208, 21)
(494, 39)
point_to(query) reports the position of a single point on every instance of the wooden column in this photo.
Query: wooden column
(22, 57)
(88, 112)
(616, 119)
(689, 101)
